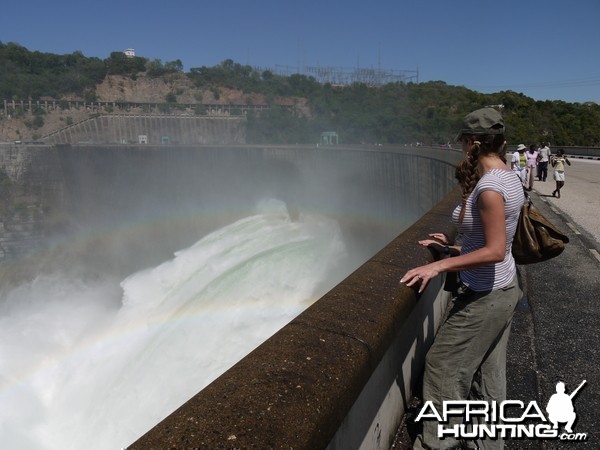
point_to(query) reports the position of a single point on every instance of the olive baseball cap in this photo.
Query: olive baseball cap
(482, 121)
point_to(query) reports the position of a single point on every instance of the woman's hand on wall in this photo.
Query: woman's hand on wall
(435, 245)
(442, 237)
(420, 274)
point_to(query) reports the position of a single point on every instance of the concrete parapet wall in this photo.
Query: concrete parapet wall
(338, 376)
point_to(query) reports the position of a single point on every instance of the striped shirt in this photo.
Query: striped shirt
(499, 275)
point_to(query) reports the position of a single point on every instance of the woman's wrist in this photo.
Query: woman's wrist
(451, 250)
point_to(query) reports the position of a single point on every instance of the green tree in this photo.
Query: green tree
(119, 64)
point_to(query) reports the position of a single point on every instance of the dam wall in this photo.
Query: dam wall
(173, 194)
(32, 190)
(152, 129)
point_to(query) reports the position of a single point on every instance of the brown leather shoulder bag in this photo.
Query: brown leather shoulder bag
(536, 238)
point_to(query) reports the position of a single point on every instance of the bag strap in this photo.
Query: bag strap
(524, 190)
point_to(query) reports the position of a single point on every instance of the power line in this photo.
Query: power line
(345, 76)
(582, 82)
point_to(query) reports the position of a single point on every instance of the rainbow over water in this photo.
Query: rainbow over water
(95, 362)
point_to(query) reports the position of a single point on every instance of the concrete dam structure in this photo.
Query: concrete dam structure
(153, 129)
(340, 373)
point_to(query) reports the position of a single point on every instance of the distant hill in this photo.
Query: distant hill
(393, 113)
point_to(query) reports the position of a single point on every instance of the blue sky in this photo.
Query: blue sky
(547, 50)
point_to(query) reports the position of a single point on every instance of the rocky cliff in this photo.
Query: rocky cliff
(174, 88)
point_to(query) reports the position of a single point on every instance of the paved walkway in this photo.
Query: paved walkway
(580, 197)
(556, 329)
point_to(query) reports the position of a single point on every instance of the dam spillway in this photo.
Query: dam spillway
(131, 207)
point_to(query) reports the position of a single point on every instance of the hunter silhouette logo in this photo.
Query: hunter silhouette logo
(560, 407)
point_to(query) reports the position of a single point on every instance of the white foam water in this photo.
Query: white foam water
(95, 364)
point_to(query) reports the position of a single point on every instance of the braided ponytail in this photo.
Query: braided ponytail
(467, 172)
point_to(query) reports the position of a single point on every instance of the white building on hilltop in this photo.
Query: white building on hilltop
(129, 52)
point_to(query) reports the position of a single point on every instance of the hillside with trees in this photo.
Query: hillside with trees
(300, 107)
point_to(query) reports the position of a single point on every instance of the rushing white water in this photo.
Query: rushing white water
(95, 364)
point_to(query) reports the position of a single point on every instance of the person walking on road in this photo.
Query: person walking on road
(558, 162)
(467, 360)
(532, 157)
(544, 158)
(519, 163)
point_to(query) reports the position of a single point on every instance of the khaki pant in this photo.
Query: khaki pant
(467, 360)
